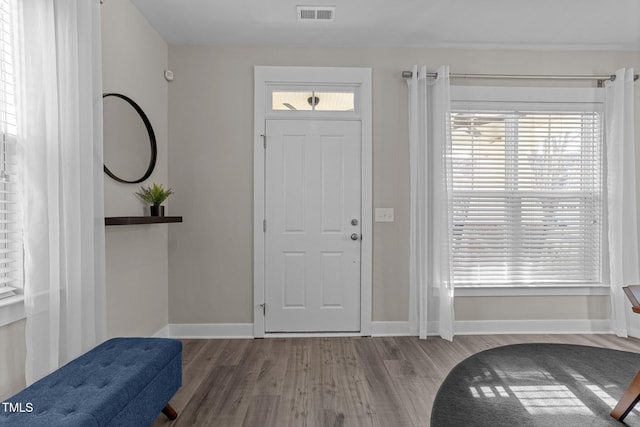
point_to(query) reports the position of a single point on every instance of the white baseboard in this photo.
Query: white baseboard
(311, 334)
(497, 327)
(386, 329)
(563, 326)
(391, 329)
(162, 333)
(211, 330)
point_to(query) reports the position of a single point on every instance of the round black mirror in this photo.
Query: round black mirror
(129, 144)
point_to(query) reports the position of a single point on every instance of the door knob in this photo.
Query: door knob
(354, 236)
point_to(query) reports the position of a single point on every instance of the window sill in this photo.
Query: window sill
(11, 309)
(518, 291)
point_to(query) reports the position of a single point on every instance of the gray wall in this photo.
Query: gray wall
(134, 59)
(12, 354)
(211, 167)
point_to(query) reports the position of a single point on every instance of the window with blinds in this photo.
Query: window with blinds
(526, 197)
(10, 229)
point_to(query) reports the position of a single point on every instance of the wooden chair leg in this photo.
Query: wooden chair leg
(628, 400)
(170, 412)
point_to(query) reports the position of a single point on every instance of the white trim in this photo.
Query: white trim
(561, 326)
(162, 333)
(568, 98)
(311, 334)
(263, 77)
(211, 330)
(550, 47)
(11, 310)
(500, 327)
(366, 262)
(391, 329)
(259, 129)
(500, 291)
(397, 329)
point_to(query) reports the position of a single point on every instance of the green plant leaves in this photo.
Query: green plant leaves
(154, 195)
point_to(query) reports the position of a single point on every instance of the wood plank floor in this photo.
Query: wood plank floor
(386, 382)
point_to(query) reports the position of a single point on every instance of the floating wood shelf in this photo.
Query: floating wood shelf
(137, 220)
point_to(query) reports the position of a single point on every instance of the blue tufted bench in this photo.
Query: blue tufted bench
(122, 382)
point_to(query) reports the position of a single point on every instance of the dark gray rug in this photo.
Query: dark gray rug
(536, 385)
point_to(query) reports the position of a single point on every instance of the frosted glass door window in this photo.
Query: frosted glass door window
(335, 101)
(287, 100)
(283, 100)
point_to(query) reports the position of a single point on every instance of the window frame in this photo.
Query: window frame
(577, 99)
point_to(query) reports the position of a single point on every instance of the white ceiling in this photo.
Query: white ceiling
(545, 24)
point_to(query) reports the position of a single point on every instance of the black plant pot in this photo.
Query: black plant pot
(156, 210)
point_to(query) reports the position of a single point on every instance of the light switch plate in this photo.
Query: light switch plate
(384, 215)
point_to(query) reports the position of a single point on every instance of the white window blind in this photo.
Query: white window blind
(526, 197)
(10, 218)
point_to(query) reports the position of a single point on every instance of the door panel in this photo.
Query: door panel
(312, 265)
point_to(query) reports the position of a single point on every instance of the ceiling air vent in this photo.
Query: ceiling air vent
(316, 13)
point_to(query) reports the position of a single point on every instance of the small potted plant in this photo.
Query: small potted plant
(154, 196)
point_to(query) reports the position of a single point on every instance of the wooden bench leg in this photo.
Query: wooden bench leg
(628, 400)
(170, 412)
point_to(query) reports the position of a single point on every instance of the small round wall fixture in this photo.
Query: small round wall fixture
(130, 148)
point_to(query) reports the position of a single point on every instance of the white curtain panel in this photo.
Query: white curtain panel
(60, 137)
(431, 290)
(621, 194)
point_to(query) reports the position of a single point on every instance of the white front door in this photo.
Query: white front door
(313, 215)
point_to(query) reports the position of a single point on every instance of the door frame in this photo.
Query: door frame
(266, 77)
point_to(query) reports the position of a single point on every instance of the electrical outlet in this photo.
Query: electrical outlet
(384, 215)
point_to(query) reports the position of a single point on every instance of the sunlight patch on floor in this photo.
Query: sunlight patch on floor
(603, 395)
(549, 399)
(540, 399)
(488, 391)
(502, 392)
(610, 401)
